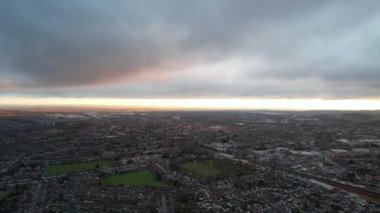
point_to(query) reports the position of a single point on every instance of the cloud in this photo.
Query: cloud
(191, 48)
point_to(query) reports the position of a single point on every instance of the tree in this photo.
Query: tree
(165, 155)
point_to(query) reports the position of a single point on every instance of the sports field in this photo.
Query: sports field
(211, 169)
(4, 194)
(138, 178)
(78, 167)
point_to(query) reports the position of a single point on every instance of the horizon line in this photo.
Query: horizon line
(286, 104)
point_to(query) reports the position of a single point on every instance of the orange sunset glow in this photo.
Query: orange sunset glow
(199, 104)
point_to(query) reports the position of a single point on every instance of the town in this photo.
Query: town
(196, 161)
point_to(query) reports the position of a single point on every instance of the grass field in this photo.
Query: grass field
(212, 169)
(138, 178)
(4, 194)
(78, 167)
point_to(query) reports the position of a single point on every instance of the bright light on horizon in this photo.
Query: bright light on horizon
(197, 104)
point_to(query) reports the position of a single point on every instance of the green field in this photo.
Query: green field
(4, 194)
(78, 167)
(212, 169)
(138, 178)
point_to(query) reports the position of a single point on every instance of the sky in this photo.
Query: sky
(256, 53)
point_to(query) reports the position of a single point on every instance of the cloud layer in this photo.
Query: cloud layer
(286, 49)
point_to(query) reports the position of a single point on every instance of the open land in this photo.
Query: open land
(211, 169)
(4, 194)
(138, 178)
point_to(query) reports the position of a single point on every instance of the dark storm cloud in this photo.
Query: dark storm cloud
(71, 43)
(303, 48)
